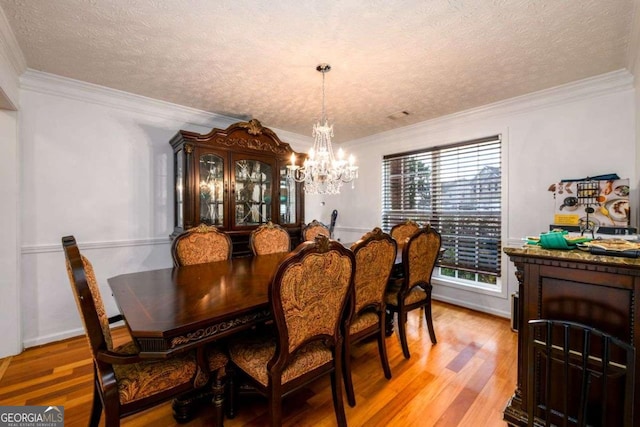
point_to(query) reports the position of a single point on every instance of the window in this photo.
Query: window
(456, 188)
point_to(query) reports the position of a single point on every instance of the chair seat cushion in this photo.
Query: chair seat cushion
(363, 321)
(139, 380)
(416, 294)
(252, 355)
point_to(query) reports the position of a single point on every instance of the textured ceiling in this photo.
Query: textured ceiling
(258, 58)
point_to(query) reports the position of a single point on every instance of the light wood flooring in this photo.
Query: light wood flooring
(464, 380)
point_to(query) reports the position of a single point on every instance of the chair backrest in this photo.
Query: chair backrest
(578, 376)
(375, 255)
(308, 295)
(87, 295)
(269, 238)
(419, 257)
(201, 244)
(313, 229)
(401, 232)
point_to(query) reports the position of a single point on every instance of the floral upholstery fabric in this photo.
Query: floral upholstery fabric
(269, 239)
(97, 300)
(307, 297)
(402, 232)
(315, 228)
(363, 321)
(253, 355)
(312, 295)
(139, 380)
(415, 294)
(199, 247)
(373, 265)
(423, 254)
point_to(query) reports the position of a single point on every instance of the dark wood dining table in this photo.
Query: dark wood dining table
(172, 310)
(176, 309)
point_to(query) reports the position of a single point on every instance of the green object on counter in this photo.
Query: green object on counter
(555, 240)
(561, 240)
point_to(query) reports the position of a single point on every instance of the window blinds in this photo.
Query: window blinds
(456, 188)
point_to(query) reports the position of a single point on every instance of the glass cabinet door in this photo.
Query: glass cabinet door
(253, 192)
(211, 189)
(178, 165)
(287, 202)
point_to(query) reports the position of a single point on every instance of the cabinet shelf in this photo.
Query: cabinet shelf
(235, 179)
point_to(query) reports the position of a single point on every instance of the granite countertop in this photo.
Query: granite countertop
(569, 255)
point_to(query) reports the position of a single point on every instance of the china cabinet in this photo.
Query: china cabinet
(235, 179)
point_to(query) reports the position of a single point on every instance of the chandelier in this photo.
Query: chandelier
(322, 172)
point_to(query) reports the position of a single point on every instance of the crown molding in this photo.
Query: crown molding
(64, 87)
(603, 84)
(10, 47)
(12, 64)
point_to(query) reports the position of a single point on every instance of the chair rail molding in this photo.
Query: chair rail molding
(45, 248)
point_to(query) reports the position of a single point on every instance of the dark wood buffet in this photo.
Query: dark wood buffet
(235, 179)
(595, 290)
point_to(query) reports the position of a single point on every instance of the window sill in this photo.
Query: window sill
(497, 290)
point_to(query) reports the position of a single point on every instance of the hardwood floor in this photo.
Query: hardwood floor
(464, 380)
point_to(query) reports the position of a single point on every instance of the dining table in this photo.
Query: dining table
(173, 310)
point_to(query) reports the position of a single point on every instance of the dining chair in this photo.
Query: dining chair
(375, 254)
(413, 289)
(578, 376)
(201, 244)
(269, 238)
(401, 232)
(314, 228)
(308, 299)
(124, 383)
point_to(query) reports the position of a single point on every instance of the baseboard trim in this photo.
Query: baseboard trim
(475, 307)
(47, 339)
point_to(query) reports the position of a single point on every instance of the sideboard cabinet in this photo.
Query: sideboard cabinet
(599, 291)
(235, 179)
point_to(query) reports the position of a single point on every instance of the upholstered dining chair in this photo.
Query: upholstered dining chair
(269, 238)
(401, 232)
(308, 298)
(314, 228)
(123, 382)
(413, 290)
(375, 255)
(201, 244)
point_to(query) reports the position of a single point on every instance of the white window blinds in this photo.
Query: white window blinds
(456, 188)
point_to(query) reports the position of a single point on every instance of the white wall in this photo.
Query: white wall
(11, 342)
(582, 129)
(11, 66)
(97, 164)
